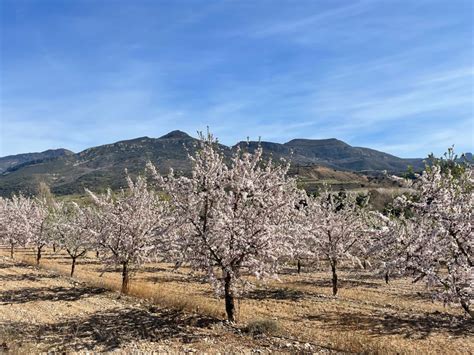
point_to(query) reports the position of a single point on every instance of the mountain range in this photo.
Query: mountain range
(102, 166)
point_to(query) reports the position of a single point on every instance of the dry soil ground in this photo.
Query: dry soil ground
(42, 310)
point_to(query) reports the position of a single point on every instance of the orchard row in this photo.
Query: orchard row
(245, 217)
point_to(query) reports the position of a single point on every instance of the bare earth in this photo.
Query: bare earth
(42, 310)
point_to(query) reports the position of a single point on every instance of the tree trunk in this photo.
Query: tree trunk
(97, 254)
(299, 266)
(54, 247)
(11, 250)
(334, 277)
(387, 277)
(73, 266)
(364, 264)
(465, 305)
(229, 297)
(38, 255)
(125, 278)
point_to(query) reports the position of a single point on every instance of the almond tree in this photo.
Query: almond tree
(393, 243)
(6, 231)
(28, 222)
(131, 224)
(37, 219)
(443, 207)
(73, 231)
(12, 221)
(335, 230)
(233, 217)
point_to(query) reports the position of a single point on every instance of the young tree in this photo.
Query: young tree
(131, 225)
(12, 224)
(73, 231)
(335, 230)
(233, 218)
(37, 218)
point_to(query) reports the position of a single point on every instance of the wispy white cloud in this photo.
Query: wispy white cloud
(378, 74)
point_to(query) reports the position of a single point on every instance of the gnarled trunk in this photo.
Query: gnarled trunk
(229, 297)
(387, 277)
(125, 278)
(299, 266)
(334, 277)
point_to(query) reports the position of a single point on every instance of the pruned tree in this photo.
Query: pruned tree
(38, 219)
(131, 224)
(73, 230)
(233, 217)
(12, 221)
(335, 230)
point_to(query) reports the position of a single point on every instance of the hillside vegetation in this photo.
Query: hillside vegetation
(103, 166)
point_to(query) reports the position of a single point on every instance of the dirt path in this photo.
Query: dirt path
(41, 311)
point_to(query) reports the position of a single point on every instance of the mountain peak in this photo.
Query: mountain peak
(177, 134)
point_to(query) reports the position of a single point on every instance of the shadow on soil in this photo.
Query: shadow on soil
(25, 277)
(417, 326)
(343, 283)
(276, 294)
(106, 331)
(30, 294)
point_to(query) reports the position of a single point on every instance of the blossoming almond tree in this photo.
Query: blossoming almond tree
(233, 218)
(445, 242)
(393, 243)
(35, 217)
(12, 221)
(132, 223)
(73, 233)
(335, 230)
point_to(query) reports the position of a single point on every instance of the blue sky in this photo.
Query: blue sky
(391, 75)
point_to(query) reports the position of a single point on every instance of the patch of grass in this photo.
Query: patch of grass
(262, 326)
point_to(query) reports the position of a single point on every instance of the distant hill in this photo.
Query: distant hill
(99, 167)
(336, 154)
(13, 161)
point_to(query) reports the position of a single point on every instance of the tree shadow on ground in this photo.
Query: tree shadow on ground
(151, 268)
(55, 257)
(276, 294)
(26, 277)
(30, 294)
(89, 262)
(417, 326)
(425, 295)
(176, 278)
(108, 330)
(342, 283)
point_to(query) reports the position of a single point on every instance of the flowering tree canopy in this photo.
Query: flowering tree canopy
(13, 213)
(335, 229)
(233, 217)
(72, 228)
(443, 250)
(131, 224)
